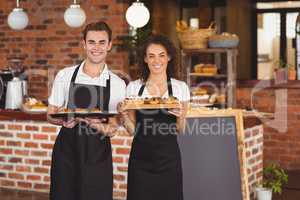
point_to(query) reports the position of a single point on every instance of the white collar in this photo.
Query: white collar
(103, 76)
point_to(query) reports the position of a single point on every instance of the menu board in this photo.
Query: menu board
(212, 163)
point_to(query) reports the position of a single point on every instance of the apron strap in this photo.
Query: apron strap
(75, 73)
(106, 93)
(170, 90)
(141, 90)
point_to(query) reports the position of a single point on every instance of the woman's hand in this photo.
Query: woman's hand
(121, 110)
(127, 118)
(179, 112)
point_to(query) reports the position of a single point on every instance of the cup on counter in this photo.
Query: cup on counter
(194, 23)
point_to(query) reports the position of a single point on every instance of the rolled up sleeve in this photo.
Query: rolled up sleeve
(57, 97)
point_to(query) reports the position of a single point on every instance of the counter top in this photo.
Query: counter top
(249, 121)
(291, 84)
(21, 116)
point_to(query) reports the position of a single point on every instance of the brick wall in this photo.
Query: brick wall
(254, 156)
(281, 134)
(26, 148)
(25, 156)
(48, 44)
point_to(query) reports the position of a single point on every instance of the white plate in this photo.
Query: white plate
(34, 110)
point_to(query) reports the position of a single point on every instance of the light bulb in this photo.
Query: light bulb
(17, 19)
(137, 15)
(74, 16)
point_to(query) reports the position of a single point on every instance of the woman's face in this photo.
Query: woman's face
(157, 59)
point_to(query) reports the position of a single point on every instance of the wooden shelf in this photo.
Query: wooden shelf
(231, 60)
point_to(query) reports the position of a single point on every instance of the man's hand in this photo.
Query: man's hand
(54, 109)
(70, 123)
(108, 129)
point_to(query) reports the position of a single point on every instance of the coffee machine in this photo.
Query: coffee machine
(14, 85)
(6, 75)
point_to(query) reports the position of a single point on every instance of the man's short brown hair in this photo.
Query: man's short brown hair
(97, 26)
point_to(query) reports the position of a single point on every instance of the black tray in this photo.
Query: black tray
(83, 115)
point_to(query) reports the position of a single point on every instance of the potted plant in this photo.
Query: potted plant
(274, 178)
(281, 73)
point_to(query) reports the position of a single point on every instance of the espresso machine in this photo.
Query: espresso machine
(6, 75)
(13, 85)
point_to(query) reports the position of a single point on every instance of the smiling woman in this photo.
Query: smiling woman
(154, 170)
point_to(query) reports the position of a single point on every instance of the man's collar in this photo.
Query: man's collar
(104, 74)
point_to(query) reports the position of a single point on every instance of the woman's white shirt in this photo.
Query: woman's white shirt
(180, 90)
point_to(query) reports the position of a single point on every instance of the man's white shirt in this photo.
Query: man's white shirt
(60, 89)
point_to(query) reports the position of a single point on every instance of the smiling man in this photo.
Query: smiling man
(81, 166)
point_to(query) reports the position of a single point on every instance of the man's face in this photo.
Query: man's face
(96, 45)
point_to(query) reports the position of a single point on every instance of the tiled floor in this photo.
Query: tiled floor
(21, 195)
(291, 191)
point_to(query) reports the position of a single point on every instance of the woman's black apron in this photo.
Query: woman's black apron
(155, 171)
(81, 166)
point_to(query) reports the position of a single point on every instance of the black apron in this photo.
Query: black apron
(81, 167)
(155, 171)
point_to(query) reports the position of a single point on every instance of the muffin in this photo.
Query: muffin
(81, 110)
(154, 100)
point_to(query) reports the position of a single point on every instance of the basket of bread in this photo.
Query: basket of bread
(193, 38)
(224, 40)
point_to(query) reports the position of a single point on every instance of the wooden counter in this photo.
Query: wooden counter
(249, 121)
(291, 84)
(21, 116)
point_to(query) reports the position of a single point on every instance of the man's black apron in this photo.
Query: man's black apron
(81, 166)
(155, 171)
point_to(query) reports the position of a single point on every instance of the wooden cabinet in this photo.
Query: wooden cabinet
(228, 68)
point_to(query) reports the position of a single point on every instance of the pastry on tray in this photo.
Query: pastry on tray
(32, 104)
(151, 100)
(154, 100)
(170, 100)
(79, 110)
(66, 110)
(135, 100)
(151, 103)
(95, 110)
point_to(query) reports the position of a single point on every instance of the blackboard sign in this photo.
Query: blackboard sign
(210, 159)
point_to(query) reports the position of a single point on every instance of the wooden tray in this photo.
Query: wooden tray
(83, 115)
(132, 106)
